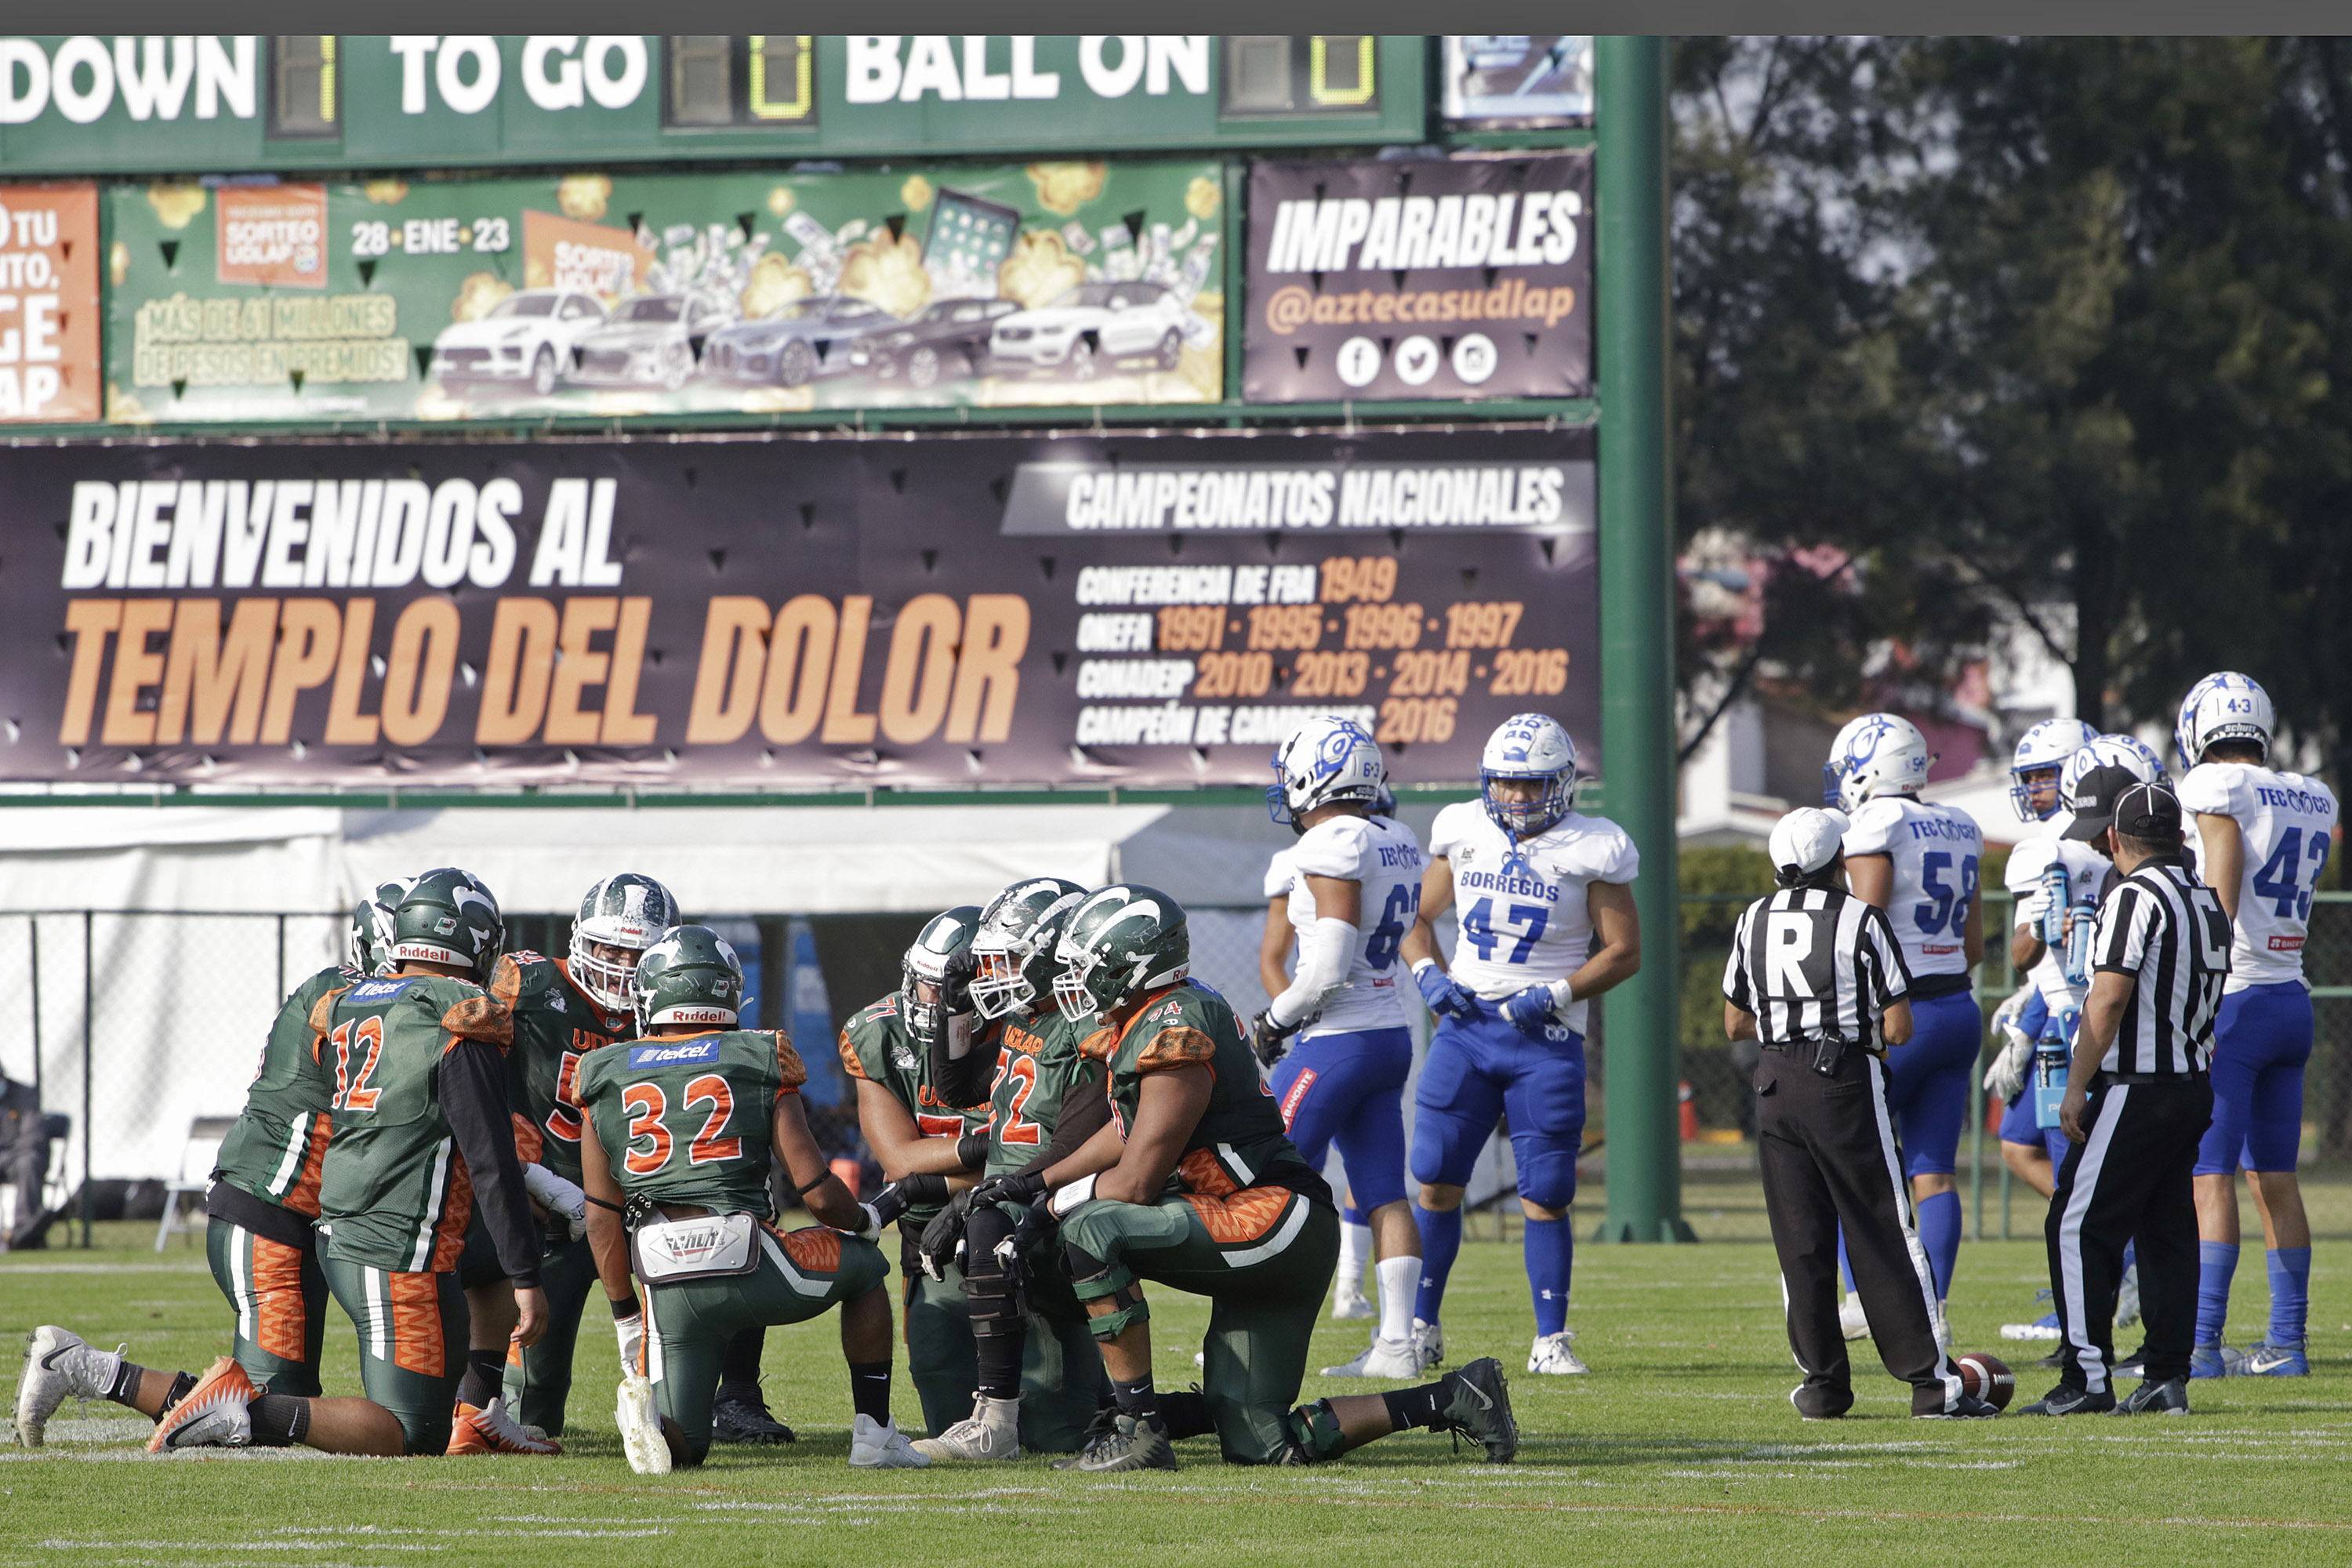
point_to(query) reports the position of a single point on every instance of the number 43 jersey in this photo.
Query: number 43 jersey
(1380, 854)
(1525, 921)
(2288, 821)
(1935, 850)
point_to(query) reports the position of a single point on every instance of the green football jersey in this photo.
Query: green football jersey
(1040, 1064)
(1240, 1140)
(555, 1024)
(396, 1194)
(280, 1137)
(689, 1118)
(876, 1049)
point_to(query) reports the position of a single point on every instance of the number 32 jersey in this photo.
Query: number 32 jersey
(1522, 905)
(1936, 850)
(1382, 855)
(2288, 821)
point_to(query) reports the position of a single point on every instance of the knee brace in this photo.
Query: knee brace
(1128, 1306)
(1092, 1279)
(1314, 1433)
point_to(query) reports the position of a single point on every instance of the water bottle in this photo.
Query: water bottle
(2077, 962)
(2053, 905)
(2050, 1066)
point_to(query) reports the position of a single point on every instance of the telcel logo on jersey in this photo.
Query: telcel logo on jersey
(377, 990)
(674, 1056)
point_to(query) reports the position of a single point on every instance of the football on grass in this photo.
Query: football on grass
(1988, 1377)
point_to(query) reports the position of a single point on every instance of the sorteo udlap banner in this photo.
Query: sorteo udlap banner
(49, 368)
(1121, 610)
(1420, 278)
(632, 293)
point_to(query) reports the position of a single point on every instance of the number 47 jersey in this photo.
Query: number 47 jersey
(1525, 921)
(2289, 822)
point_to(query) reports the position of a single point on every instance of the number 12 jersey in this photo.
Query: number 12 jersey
(1522, 905)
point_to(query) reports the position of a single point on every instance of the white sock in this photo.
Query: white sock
(1355, 1251)
(1400, 1280)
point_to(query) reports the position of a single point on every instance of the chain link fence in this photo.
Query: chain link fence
(135, 1024)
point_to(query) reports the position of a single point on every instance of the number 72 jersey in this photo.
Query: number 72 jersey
(1522, 905)
(2289, 823)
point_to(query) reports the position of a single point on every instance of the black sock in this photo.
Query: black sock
(1136, 1399)
(486, 1373)
(279, 1420)
(1409, 1407)
(124, 1389)
(1187, 1414)
(738, 1368)
(870, 1390)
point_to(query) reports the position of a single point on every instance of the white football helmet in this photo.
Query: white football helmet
(1530, 746)
(1330, 759)
(628, 911)
(2108, 750)
(2223, 707)
(1878, 753)
(2045, 746)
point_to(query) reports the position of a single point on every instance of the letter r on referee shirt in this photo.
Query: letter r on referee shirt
(1788, 943)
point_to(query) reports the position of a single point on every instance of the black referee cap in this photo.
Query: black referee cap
(2114, 797)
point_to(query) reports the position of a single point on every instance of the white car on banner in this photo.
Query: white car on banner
(526, 338)
(1093, 322)
(654, 339)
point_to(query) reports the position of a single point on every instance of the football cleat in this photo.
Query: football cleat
(2064, 1401)
(1349, 1301)
(1133, 1443)
(882, 1447)
(1478, 1406)
(1551, 1355)
(737, 1419)
(1382, 1358)
(1968, 1408)
(489, 1429)
(1853, 1323)
(213, 1415)
(990, 1434)
(2269, 1359)
(1105, 1418)
(2214, 1360)
(640, 1420)
(1429, 1343)
(58, 1366)
(2128, 1299)
(2170, 1397)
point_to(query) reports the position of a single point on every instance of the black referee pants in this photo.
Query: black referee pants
(1827, 1148)
(2128, 1182)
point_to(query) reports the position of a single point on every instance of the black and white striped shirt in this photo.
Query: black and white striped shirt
(2168, 932)
(1814, 963)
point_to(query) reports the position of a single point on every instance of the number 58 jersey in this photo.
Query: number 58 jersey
(1380, 854)
(1522, 906)
(1935, 850)
(2289, 822)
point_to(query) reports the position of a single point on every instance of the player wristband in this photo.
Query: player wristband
(972, 1150)
(1425, 964)
(622, 1310)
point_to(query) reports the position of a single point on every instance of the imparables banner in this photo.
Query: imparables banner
(628, 293)
(1420, 278)
(992, 609)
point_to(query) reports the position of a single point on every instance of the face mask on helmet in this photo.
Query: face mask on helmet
(1329, 761)
(619, 919)
(1012, 953)
(367, 946)
(936, 972)
(2034, 767)
(1527, 776)
(1122, 942)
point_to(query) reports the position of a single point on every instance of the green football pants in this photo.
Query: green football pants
(688, 1325)
(411, 1334)
(279, 1296)
(1265, 1258)
(539, 1378)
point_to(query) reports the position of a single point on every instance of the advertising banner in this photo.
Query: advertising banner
(624, 294)
(1500, 81)
(1420, 277)
(49, 369)
(806, 612)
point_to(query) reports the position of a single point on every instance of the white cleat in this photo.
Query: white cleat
(1550, 1354)
(1388, 1359)
(641, 1429)
(1852, 1320)
(883, 1447)
(1350, 1301)
(58, 1366)
(1429, 1343)
(989, 1434)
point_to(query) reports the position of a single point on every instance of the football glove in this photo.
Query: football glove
(905, 1194)
(1531, 1010)
(1014, 1187)
(1270, 1041)
(558, 1196)
(2006, 1017)
(1445, 996)
(631, 1332)
(942, 1245)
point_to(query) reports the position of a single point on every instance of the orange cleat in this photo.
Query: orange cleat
(493, 1431)
(213, 1415)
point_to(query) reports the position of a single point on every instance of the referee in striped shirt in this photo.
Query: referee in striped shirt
(2138, 1100)
(1816, 978)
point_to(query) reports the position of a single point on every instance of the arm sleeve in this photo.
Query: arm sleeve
(964, 1081)
(1086, 1111)
(1325, 952)
(474, 1098)
(1735, 972)
(2119, 941)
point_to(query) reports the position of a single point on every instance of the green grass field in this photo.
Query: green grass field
(1680, 1446)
